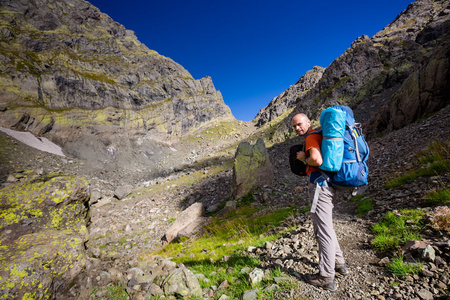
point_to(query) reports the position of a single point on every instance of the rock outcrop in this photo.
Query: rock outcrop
(390, 80)
(426, 86)
(252, 168)
(43, 230)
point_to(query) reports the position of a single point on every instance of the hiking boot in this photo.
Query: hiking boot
(327, 283)
(342, 270)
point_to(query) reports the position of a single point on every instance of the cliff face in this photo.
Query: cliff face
(390, 80)
(422, 52)
(67, 68)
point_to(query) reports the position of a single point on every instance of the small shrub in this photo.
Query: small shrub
(401, 269)
(440, 218)
(439, 197)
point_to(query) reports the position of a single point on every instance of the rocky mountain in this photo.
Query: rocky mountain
(288, 99)
(71, 73)
(392, 79)
(59, 56)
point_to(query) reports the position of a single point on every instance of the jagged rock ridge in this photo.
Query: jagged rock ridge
(390, 80)
(288, 98)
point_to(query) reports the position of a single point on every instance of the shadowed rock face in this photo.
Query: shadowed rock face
(43, 230)
(390, 80)
(67, 66)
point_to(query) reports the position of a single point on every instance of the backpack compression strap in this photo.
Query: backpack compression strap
(354, 128)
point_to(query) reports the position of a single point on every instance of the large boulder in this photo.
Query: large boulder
(181, 282)
(43, 231)
(252, 168)
(187, 223)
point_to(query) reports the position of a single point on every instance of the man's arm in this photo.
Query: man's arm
(315, 157)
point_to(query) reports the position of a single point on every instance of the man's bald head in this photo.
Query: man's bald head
(301, 123)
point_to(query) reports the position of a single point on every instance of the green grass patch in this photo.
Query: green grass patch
(398, 267)
(437, 151)
(356, 198)
(435, 168)
(364, 206)
(188, 179)
(246, 200)
(117, 292)
(98, 77)
(221, 252)
(220, 130)
(235, 271)
(396, 228)
(305, 209)
(122, 241)
(246, 226)
(431, 162)
(438, 197)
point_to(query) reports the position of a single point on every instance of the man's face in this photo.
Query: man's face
(300, 124)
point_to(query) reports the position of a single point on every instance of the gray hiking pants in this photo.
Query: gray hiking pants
(330, 253)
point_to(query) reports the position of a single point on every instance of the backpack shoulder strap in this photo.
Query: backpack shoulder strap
(317, 131)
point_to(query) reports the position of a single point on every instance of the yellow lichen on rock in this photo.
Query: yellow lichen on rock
(44, 230)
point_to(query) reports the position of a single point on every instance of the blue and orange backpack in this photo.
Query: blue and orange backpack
(344, 148)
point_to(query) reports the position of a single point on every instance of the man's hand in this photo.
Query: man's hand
(301, 156)
(315, 159)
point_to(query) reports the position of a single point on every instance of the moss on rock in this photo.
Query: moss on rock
(252, 168)
(43, 223)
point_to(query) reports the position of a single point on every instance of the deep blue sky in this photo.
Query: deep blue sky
(253, 50)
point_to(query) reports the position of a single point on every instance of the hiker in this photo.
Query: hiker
(331, 259)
